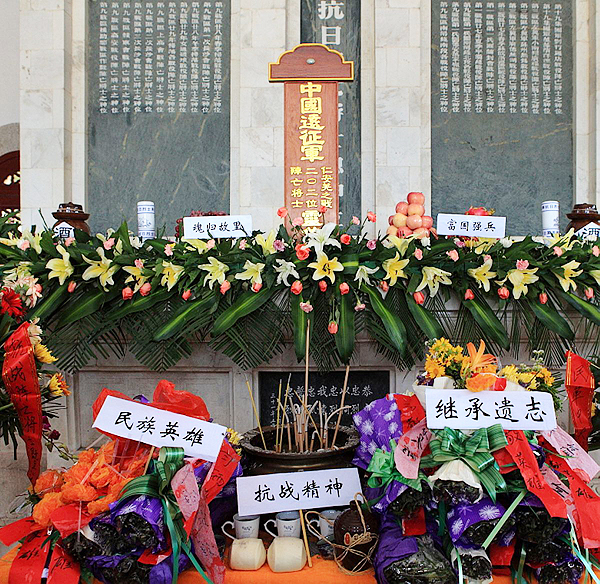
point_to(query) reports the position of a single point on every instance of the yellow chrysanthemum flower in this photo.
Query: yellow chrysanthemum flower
(434, 368)
(58, 386)
(42, 354)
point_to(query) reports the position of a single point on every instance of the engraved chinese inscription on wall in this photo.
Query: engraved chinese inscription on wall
(502, 107)
(158, 109)
(336, 24)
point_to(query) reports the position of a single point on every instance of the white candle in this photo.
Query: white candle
(550, 216)
(146, 224)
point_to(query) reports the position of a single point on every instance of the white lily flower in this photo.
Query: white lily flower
(363, 273)
(506, 242)
(321, 237)
(284, 271)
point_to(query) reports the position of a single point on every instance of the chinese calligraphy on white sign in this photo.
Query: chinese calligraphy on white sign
(471, 225)
(292, 491)
(143, 423)
(513, 410)
(213, 227)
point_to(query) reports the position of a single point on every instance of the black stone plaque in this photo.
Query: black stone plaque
(158, 109)
(363, 388)
(336, 24)
(501, 108)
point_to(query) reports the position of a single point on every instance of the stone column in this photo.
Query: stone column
(263, 39)
(402, 97)
(45, 102)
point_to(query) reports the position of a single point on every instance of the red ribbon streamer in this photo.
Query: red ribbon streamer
(521, 453)
(586, 502)
(580, 386)
(20, 377)
(30, 560)
(63, 568)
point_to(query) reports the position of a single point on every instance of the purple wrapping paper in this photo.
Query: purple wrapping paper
(147, 507)
(377, 424)
(461, 517)
(392, 546)
(162, 573)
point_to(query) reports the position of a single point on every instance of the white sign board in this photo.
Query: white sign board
(589, 230)
(64, 230)
(471, 225)
(143, 423)
(292, 491)
(513, 410)
(216, 227)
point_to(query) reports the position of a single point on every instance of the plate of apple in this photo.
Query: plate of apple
(410, 218)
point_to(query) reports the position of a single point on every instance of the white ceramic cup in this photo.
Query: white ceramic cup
(325, 521)
(247, 554)
(245, 527)
(287, 522)
(286, 554)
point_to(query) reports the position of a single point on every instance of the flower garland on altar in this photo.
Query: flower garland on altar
(246, 295)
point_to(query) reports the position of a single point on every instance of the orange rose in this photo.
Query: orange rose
(74, 493)
(87, 457)
(50, 480)
(99, 505)
(481, 382)
(42, 511)
(101, 477)
(76, 473)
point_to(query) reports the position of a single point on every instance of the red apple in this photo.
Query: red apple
(391, 219)
(391, 230)
(399, 220)
(404, 231)
(414, 221)
(415, 209)
(416, 198)
(402, 207)
(427, 221)
(421, 232)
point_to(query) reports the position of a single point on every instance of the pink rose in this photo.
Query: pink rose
(543, 298)
(589, 293)
(469, 294)
(69, 241)
(296, 287)
(71, 287)
(297, 222)
(557, 251)
(23, 245)
(384, 285)
(503, 292)
(345, 239)
(279, 245)
(355, 220)
(186, 295)
(306, 306)
(256, 287)
(126, 293)
(333, 327)
(459, 242)
(139, 264)
(371, 217)
(596, 251)
(322, 285)
(109, 243)
(360, 306)
(210, 244)
(344, 288)
(282, 212)
(419, 297)
(145, 289)
(243, 244)
(226, 285)
(522, 264)
(418, 254)
(168, 250)
(372, 244)
(453, 255)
